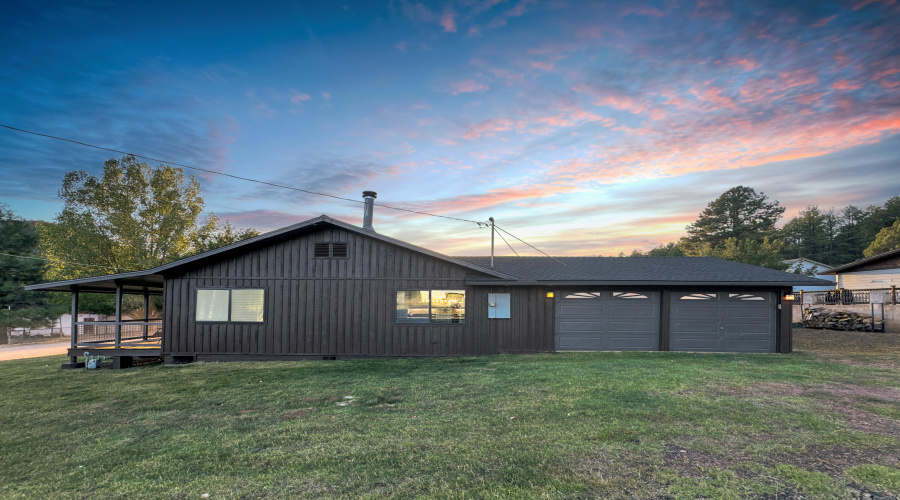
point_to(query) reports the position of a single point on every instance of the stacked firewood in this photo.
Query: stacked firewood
(817, 317)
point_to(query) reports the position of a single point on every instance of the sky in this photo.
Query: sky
(584, 128)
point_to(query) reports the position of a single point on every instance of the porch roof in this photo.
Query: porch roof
(131, 282)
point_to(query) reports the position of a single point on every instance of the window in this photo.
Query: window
(698, 296)
(745, 296)
(334, 250)
(431, 306)
(584, 295)
(629, 295)
(244, 305)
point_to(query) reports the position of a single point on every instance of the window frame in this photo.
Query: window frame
(229, 290)
(430, 319)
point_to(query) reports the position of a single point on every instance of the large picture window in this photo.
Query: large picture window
(431, 306)
(238, 305)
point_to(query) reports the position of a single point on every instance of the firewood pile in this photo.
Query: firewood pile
(817, 317)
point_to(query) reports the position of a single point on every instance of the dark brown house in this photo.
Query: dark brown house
(325, 289)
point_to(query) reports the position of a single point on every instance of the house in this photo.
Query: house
(325, 289)
(880, 271)
(806, 267)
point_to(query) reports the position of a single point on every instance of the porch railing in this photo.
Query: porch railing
(130, 332)
(849, 297)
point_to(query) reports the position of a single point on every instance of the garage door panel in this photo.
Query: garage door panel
(750, 345)
(631, 326)
(686, 311)
(631, 311)
(581, 326)
(694, 328)
(581, 344)
(598, 320)
(764, 313)
(632, 343)
(695, 344)
(749, 328)
(582, 309)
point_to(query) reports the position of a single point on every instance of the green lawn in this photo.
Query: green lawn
(819, 423)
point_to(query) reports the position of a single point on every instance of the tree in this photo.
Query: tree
(20, 265)
(765, 253)
(132, 217)
(739, 213)
(887, 239)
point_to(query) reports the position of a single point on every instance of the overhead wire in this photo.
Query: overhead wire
(62, 261)
(529, 244)
(480, 224)
(507, 244)
(282, 186)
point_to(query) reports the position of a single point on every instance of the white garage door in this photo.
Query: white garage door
(607, 321)
(723, 322)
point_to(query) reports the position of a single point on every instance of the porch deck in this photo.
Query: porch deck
(122, 340)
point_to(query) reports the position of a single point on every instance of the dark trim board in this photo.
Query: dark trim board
(112, 352)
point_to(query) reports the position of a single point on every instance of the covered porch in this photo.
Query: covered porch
(121, 338)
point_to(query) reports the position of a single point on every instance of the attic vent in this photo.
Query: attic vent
(335, 250)
(322, 250)
(338, 249)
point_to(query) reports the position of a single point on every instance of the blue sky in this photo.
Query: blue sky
(583, 127)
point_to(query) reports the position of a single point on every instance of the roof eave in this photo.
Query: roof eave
(643, 283)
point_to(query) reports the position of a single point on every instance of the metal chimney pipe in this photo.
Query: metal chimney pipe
(368, 209)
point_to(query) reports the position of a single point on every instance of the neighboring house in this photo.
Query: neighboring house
(807, 266)
(325, 289)
(877, 272)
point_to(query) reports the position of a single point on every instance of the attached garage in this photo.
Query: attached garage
(723, 321)
(607, 320)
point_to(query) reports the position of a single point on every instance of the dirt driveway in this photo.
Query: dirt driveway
(9, 352)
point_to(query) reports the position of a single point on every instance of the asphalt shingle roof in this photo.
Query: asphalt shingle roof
(639, 269)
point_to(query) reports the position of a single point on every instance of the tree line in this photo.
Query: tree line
(131, 217)
(740, 225)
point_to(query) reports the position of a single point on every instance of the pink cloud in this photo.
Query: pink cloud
(612, 98)
(467, 86)
(846, 85)
(543, 66)
(798, 77)
(641, 11)
(299, 97)
(489, 128)
(448, 20)
(745, 62)
(823, 22)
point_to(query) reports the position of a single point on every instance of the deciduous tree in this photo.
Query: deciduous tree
(887, 239)
(131, 217)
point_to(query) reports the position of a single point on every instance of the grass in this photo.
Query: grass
(629, 425)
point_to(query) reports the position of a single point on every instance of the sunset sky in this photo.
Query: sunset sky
(585, 128)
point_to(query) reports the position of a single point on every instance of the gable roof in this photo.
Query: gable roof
(639, 270)
(154, 277)
(868, 260)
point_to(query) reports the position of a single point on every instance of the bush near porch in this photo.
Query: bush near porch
(821, 423)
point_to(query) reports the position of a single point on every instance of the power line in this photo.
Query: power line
(232, 176)
(507, 244)
(60, 261)
(529, 244)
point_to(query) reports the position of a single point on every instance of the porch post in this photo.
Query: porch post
(74, 322)
(73, 360)
(146, 311)
(118, 314)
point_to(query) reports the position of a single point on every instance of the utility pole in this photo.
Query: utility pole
(492, 241)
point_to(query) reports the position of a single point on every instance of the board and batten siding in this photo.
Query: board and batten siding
(345, 306)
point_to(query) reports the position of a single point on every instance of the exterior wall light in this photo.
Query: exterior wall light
(549, 295)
